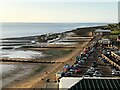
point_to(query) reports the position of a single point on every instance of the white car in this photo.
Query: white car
(114, 72)
(97, 74)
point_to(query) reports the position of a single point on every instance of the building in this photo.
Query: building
(102, 32)
(105, 41)
(89, 83)
(68, 82)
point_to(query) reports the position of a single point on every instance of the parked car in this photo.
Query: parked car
(67, 66)
(84, 58)
(105, 61)
(77, 71)
(67, 74)
(81, 62)
(90, 71)
(116, 73)
(94, 64)
(78, 65)
(88, 75)
(106, 52)
(72, 70)
(78, 58)
(99, 56)
(97, 74)
(95, 69)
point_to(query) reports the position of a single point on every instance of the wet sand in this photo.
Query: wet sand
(37, 81)
(20, 72)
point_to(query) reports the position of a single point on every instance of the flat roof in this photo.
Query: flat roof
(105, 39)
(97, 83)
(100, 30)
(67, 82)
(89, 83)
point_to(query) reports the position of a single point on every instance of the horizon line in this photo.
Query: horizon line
(52, 22)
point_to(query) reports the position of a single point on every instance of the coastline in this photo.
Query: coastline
(33, 82)
(73, 30)
(37, 27)
(38, 80)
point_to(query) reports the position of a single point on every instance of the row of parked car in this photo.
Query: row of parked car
(102, 59)
(115, 71)
(75, 69)
(93, 71)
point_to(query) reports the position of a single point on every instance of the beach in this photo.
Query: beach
(59, 45)
(65, 53)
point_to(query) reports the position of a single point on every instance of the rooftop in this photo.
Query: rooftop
(97, 83)
(100, 30)
(90, 83)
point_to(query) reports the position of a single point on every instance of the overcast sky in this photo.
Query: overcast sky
(31, 11)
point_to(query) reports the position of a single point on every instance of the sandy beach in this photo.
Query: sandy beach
(29, 79)
(37, 81)
(59, 45)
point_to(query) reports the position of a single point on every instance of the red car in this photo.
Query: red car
(77, 71)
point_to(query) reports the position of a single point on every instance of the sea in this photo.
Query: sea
(10, 30)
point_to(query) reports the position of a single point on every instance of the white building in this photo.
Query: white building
(68, 82)
(89, 83)
(102, 32)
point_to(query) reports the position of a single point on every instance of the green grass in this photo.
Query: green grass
(113, 36)
(115, 32)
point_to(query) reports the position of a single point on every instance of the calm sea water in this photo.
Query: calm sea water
(30, 29)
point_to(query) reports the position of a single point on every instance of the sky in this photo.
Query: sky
(34, 11)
